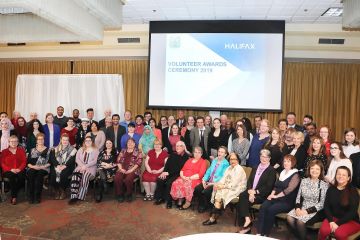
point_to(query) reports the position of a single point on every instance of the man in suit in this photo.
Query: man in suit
(257, 122)
(165, 132)
(199, 136)
(181, 121)
(115, 132)
(291, 118)
(90, 115)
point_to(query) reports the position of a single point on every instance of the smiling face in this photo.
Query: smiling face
(21, 122)
(264, 127)
(64, 141)
(180, 148)
(197, 153)
(240, 132)
(315, 171)
(316, 145)
(108, 144)
(216, 124)
(291, 119)
(335, 150)
(36, 125)
(282, 126)
(233, 160)
(275, 135)
(350, 137)
(342, 177)
(287, 164)
(221, 153)
(60, 111)
(40, 141)
(324, 133)
(13, 142)
(175, 130)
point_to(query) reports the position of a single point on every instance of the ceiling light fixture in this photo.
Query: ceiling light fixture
(333, 12)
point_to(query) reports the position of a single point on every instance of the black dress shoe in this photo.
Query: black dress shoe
(98, 198)
(209, 222)
(159, 201)
(129, 198)
(169, 205)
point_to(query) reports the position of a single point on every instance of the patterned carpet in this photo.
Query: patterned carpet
(55, 219)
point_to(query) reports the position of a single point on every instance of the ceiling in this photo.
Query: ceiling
(293, 11)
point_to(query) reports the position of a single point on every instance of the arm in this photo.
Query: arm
(293, 184)
(353, 208)
(319, 205)
(22, 156)
(327, 205)
(264, 189)
(79, 158)
(147, 167)
(162, 169)
(245, 151)
(93, 159)
(298, 203)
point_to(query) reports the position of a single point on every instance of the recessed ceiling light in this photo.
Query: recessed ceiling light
(333, 12)
(13, 10)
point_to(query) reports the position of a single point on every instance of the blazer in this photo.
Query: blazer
(183, 123)
(300, 155)
(165, 136)
(355, 158)
(109, 133)
(224, 164)
(265, 184)
(56, 139)
(195, 138)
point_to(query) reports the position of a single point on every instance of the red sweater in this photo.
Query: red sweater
(13, 161)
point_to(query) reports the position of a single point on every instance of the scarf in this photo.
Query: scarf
(63, 154)
(284, 175)
(147, 140)
(259, 171)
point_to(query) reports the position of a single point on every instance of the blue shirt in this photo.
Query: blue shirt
(126, 136)
(254, 151)
(125, 124)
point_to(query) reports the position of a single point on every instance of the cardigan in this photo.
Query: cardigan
(13, 161)
(224, 164)
(56, 139)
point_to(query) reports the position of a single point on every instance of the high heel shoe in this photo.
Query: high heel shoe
(247, 229)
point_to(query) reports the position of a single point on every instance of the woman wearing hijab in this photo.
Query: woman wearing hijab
(146, 142)
(5, 133)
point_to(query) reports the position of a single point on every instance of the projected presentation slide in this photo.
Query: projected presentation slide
(216, 70)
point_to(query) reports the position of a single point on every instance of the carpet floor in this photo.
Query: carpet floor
(55, 219)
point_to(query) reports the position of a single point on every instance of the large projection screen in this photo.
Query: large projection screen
(216, 65)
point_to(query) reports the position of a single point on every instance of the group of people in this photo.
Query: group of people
(296, 169)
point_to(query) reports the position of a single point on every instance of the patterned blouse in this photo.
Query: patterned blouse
(136, 159)
(311, 197)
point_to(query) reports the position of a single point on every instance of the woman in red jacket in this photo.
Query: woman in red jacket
(13, 162)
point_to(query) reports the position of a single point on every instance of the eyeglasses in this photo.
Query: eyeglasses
(264, 156)
(333, 148)
(233, 159)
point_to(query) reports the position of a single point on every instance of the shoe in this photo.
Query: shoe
(129, 198)
(98, 198)
(185, 206)
(120, 198)
(13, 201)
(62, 194)
(209, 222)
(169, 205)
(249, 225)
(245, 231)
(151, 198)
(159, 201)
(57, 194)
(147, 197)
(73, 201)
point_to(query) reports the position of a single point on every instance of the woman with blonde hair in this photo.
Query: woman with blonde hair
(62, 160)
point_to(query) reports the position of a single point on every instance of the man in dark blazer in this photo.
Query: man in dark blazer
(181, 121)
(199, 136)
(291, 118)
(115, 131)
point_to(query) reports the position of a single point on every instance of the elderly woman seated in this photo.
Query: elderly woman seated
(229, 187)
(190, 176)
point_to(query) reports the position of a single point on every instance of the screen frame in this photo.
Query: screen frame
(217, 26)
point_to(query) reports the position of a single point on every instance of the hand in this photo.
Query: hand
(251, 198)
(127, 172)
(271, 196)
(251, 192)
(13, 170)
(298, 212)
(212, 158)
(304, 212)
(333, 226)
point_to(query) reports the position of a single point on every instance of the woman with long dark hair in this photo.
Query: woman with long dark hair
(341, 208)
(35, 127)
